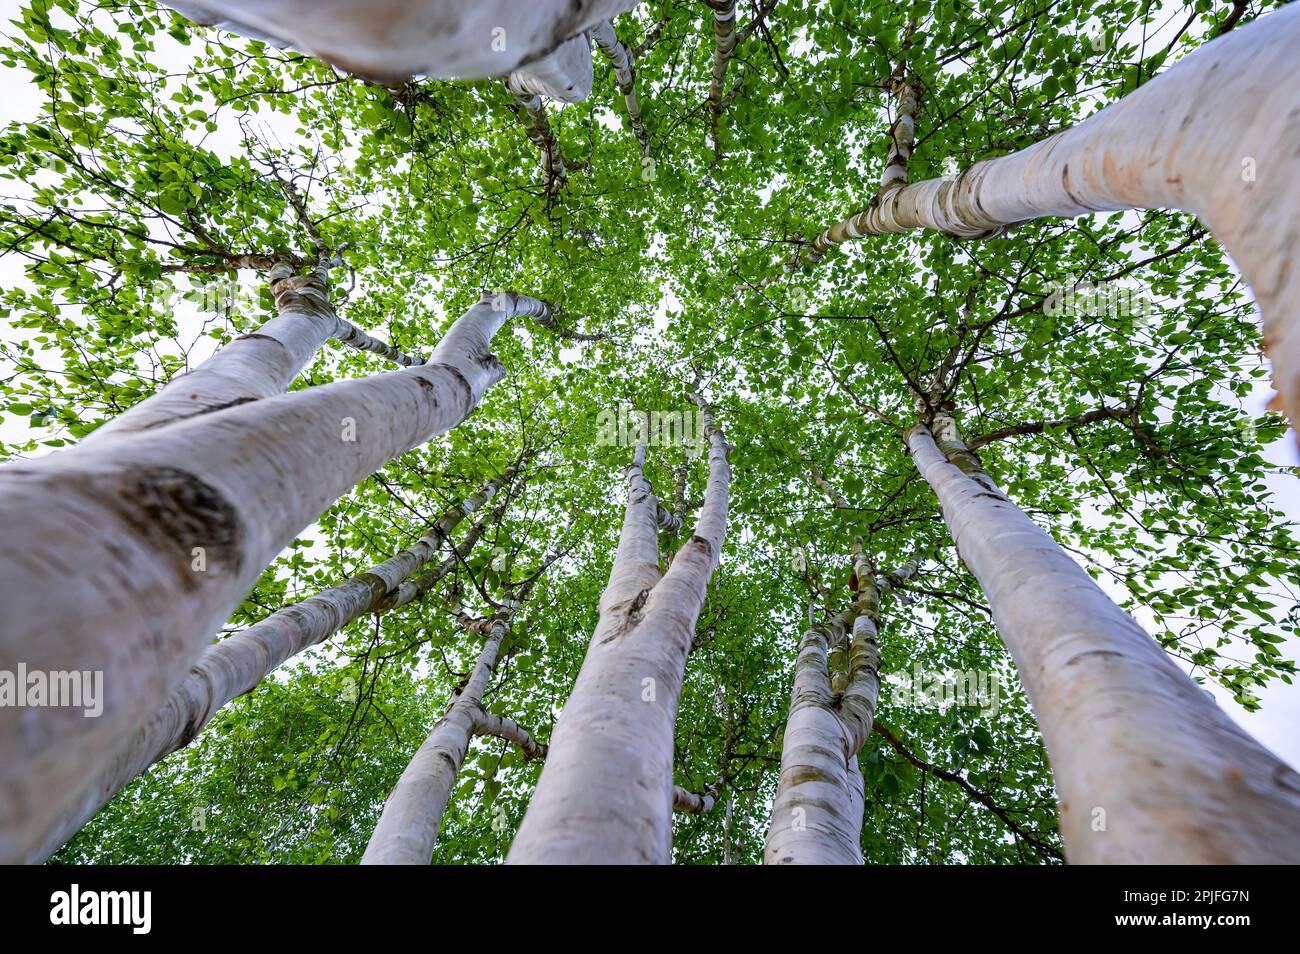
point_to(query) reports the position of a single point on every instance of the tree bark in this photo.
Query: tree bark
(1148, 768)
(390, 40)
(258, 365)
(565, 74)
(255, 366)
(620, 60)
(237, 664)
(159, 534)
(724, 43)
(817, 812)
(408, 827)
(1214, 135)
(531, 112)
(606, 793)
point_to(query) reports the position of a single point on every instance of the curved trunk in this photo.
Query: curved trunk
(606, 793)
(531, 112)
(1148, 768)
(565, 73)
(1214, 135)
(398, 39)
(159, 534)
(238, 663)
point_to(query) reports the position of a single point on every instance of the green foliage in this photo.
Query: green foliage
(149, 163)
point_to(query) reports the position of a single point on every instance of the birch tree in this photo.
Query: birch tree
(1163, 146)
(817, 813)
(1103, 364)
(434, 39)
(159, 500)
(238, 664)
(605, 794)
(1142, 759)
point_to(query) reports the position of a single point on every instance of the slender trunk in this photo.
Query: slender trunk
(1214, 135)
(352, 336)
(397, 39)
(258, 365)
(408, 827)
(238, 664)
(531, 112)
(606, 793)
(817, 812)
(1148, 768)
(724, 43)
(620, 60)
(159, 534)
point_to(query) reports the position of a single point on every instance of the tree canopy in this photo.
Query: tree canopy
(1100, 366)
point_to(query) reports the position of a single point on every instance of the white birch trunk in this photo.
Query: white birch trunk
(620, 60)
(398, 39)
(531, 112)
(605, 795)
(724, 43)
(1215, 135)
(817, 813)
(157, 535)
(565, 74)
(408, 827)
(238, 664)
(257, 365)
(1148, 768)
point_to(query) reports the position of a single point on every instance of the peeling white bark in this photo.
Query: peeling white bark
(122, 524)
(605, 795)
(1148, 768)
(1215, 135)
(397, 39)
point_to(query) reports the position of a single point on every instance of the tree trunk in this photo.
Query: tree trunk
(238, 664)
(531, 112)
(724, 43)
(158, 535)
(258, 365)
(565, 74)
(1148, 769)
(254, 366)
(817, 812)
(620, 60)
(1214, 135)
(398, 39)
(606, 793)
(408, 827)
